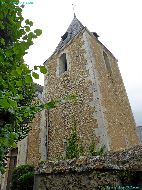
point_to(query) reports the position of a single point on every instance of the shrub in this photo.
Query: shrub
(23, 178)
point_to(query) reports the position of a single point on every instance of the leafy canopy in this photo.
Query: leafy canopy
(17, 89)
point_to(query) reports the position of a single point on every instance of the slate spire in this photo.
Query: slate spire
(74, 28)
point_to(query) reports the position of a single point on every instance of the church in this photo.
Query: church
(83, 66)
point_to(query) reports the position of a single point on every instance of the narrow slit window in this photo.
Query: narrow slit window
(63, 64)
(107, 63)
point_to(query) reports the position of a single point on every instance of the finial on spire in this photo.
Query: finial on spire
(73, 6)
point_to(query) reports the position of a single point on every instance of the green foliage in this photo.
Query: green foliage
(93, 151)
(23, 178)
(81, 149)
(72, 145)
(75, 148)
(35, 75)
(92, 148)
(43, 69)
(101, 151)
(17, 89)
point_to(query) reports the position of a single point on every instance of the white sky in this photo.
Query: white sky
(118, 22)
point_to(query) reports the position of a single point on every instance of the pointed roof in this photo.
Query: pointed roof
(74, 28)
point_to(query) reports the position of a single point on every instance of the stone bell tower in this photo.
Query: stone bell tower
(82, 65)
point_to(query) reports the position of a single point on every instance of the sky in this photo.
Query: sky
(118, 23)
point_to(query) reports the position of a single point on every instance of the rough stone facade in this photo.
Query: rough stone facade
(102, 111)
(79, 113)
(117, 112)
(91, 180)
(92, 173)
(33, 155)
(139, 131)
(30, 149)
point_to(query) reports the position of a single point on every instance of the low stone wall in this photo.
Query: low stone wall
(74, 181)
(91, 173)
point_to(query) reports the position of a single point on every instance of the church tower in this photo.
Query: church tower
(82, 65)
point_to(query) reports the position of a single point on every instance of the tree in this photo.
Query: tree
(17, 89)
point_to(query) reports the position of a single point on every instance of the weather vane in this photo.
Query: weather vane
(73, 7)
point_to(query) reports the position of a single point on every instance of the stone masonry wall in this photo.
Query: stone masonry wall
(120, 123)
(95, 180)
(102, 111)
(22, 151)
(92, 173)
(29, 147)
(79, 113)
(33, 154)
